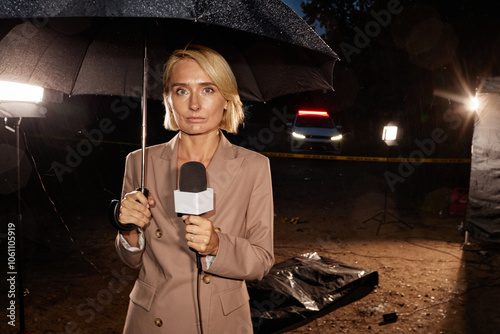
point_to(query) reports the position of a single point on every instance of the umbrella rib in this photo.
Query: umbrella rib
(45, 51)
(260, 96)
(38, 61)
(79, 67)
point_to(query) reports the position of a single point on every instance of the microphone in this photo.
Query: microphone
(193, 177)
(193, 197)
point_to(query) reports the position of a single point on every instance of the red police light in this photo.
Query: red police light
(313, 113)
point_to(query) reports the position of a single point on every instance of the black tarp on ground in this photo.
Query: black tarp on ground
(483, 210)
(303, 288)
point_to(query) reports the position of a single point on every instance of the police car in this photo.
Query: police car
(315, 131)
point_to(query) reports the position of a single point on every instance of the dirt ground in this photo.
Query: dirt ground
(427, 276)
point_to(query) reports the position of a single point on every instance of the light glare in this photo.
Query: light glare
(390, 133)
(13, 91)
(474, 103)
(337, 137)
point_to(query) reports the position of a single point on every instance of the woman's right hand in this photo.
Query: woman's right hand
(134, 209)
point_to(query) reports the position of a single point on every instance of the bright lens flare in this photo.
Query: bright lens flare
(474, 103)
(337, 137)
(13, 91)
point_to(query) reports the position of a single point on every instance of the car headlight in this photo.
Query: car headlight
(298, 135)
(337, 137)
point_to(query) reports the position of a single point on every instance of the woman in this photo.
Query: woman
(235, 240)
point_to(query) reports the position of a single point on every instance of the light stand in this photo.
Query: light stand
(389, 136)
(19, 101)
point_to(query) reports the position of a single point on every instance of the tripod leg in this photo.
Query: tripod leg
(401, 221)
(382, 220)
(374, 217)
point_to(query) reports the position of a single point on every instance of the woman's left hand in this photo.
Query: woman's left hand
(201, 235)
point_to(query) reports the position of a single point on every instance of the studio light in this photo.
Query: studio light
(13, 91)
(19, 100)
(390, 133)
(389, 136)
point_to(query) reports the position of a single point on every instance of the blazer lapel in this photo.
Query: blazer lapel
(222, 170)
(164, 170)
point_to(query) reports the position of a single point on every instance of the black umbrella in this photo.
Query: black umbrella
(88, 48)
(272, 51)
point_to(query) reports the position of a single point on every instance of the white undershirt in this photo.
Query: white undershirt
(209, 258)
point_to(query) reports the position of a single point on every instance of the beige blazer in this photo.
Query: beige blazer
(163, 299)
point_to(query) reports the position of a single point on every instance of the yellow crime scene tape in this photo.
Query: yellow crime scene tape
(355, 158)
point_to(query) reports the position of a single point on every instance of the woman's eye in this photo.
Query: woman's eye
(181, 91)
(208, 90)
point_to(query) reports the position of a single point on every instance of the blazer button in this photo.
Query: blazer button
(158, 322)
(159, 233)
(217, 229)
(207, 279)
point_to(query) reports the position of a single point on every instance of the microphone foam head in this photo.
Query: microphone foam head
(193, 177)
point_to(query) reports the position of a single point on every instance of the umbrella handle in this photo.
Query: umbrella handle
(114, 210)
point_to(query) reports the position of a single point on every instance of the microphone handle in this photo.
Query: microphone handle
(198, 262)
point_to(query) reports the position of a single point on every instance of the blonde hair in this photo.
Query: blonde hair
(217, 68)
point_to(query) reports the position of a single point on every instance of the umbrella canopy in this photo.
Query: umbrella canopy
(271, 50)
